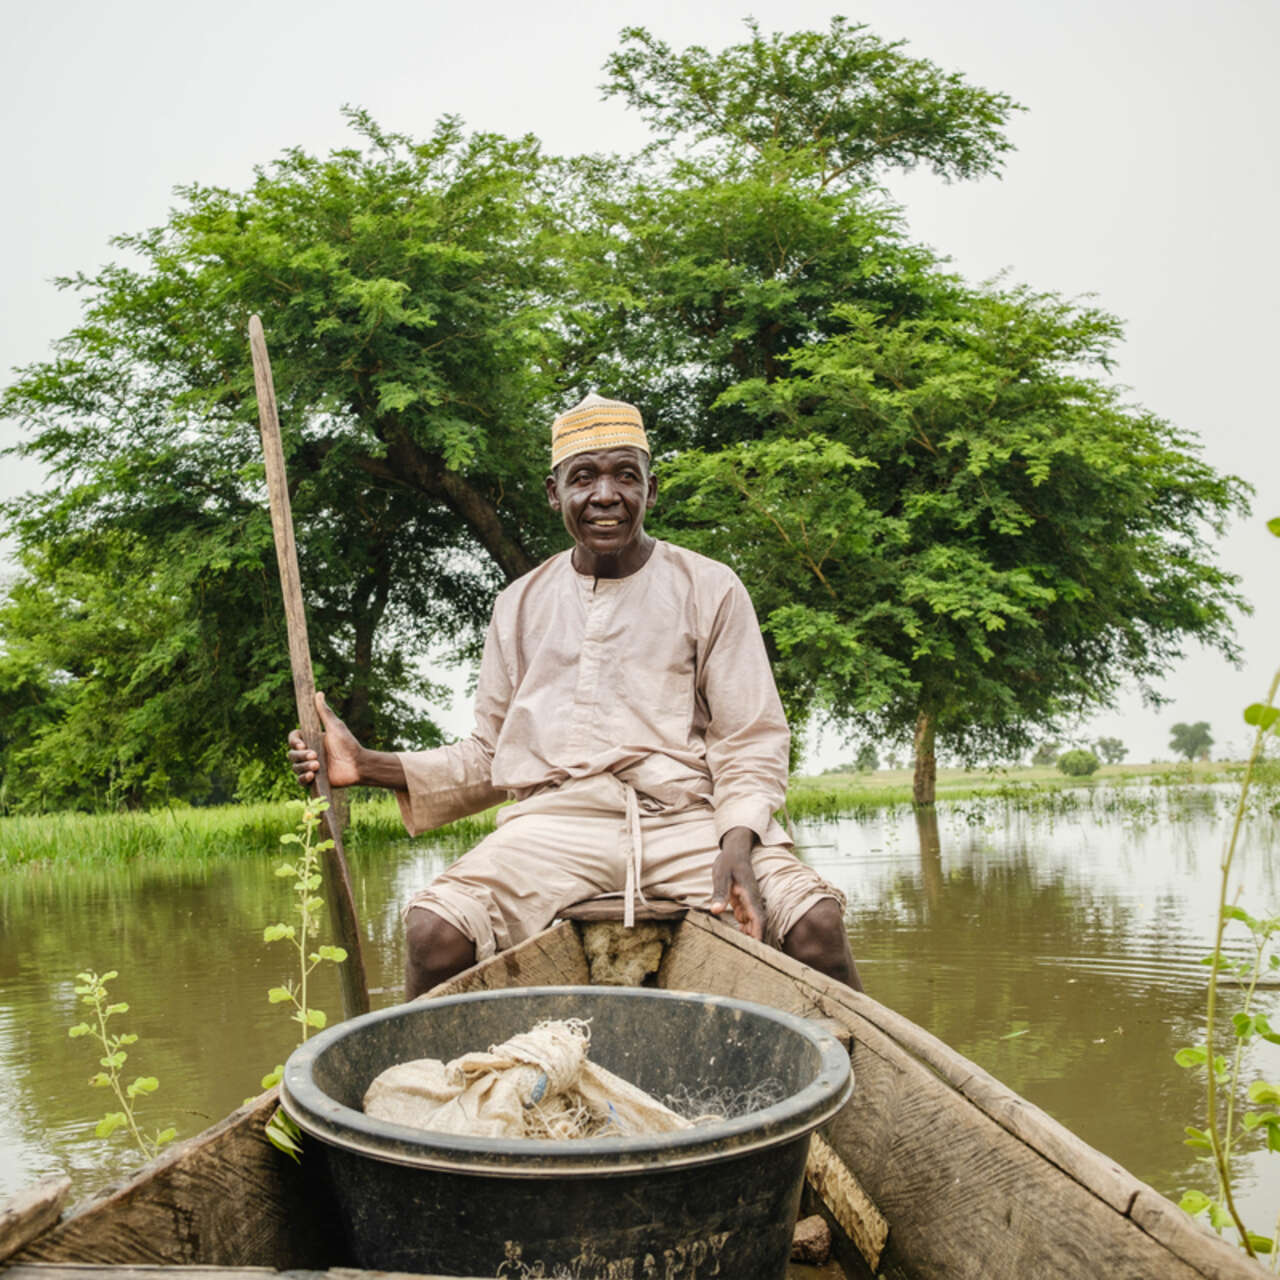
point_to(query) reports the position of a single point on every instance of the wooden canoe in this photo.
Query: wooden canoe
(934, 1169)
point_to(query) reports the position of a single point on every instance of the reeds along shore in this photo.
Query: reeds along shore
(194, 834)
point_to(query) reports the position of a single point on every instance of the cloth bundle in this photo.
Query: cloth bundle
(537, 1085)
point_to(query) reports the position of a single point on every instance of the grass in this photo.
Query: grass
(190, 834)
(832, 794)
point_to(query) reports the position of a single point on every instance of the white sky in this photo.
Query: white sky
(1146, 174)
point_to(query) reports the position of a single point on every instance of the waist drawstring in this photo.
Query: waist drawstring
(635, 857)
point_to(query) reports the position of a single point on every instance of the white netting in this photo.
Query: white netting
(711, 1102)
(537, 1085)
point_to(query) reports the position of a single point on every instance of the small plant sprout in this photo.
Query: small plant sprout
(305, 871)
(92, 990)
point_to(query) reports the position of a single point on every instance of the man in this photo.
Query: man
(625, 701)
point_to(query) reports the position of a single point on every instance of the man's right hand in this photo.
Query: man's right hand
(341, 750)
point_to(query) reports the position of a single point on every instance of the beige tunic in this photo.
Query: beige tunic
(660, 678)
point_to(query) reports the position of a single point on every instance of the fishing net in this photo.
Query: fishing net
(537, 1085)
(714, 1102)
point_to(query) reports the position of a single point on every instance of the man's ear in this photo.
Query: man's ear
(553, 495)
(653, 492)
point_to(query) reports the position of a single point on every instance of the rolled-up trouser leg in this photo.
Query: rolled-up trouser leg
(571, 843)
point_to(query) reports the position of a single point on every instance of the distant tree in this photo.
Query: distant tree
(1191, 741)
(867, 760)
(1112, 750)
(1079, 763)
(1046, 753)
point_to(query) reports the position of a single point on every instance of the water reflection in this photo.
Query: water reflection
(1056, 944)
(1061, 951)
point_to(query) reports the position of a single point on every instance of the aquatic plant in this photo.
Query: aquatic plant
(306, 880)
(1226, 1121)
(305, 871)
(92, 990)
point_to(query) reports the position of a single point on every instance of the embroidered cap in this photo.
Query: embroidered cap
(596, 423)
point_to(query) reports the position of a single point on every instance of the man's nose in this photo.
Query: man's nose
(604, 492)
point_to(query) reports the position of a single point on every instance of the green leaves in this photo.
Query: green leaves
(405, 285)
(902, 488)
(282, 1133)
(1194, 1202)
(826, 105)
(1197, 1138)
(1261, 716)
(109, 1123)
(92, 990)
(307, 879)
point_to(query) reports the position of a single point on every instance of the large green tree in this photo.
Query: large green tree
(888, 456)
(956, 530)
(954, 527)
(403, 286)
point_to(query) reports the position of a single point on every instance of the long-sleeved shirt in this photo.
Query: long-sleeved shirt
(660, 677)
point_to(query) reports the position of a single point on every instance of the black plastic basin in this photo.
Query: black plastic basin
(718, 1199)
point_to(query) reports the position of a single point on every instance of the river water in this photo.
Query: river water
(1054, 940)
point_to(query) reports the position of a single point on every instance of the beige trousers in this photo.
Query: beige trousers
(592, 836)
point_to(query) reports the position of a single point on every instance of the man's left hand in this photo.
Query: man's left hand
(733, 882)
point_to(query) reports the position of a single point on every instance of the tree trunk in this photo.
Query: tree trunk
(924, 784)
(407, 464)
(369, 603)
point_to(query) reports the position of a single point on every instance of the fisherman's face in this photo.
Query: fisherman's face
(602, 498)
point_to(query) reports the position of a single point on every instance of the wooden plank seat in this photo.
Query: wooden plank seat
(610, 906)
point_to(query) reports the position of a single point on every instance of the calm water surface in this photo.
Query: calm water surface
(1056, 946)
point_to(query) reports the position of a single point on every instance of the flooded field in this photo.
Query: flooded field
(1055, 939)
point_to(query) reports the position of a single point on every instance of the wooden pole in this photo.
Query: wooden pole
(342, 907)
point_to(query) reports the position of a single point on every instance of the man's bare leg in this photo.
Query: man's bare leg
(819, 940)
(436, 951)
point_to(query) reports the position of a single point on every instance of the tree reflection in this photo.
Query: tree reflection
(926, 816)
(1056, 990)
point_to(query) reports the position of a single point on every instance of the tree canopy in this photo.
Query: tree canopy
(1191, 741)
(952, 525)
(403, 285)
(952, 528)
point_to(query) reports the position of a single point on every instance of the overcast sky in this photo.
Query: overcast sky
(1145, 175)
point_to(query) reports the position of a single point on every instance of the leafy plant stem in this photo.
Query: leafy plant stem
(113, 1074)
(1220, 1144)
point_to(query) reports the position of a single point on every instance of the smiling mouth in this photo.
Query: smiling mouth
(604, 524)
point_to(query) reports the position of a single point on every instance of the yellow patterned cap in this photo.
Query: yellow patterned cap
(596, 423)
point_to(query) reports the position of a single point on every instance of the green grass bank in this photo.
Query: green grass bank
(190, 834)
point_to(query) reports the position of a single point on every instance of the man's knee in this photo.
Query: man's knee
(435, 951)
(819, 940)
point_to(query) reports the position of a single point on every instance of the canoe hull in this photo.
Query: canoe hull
(973, 1182)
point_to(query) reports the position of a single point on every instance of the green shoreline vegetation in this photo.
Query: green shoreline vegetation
(188, 834)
